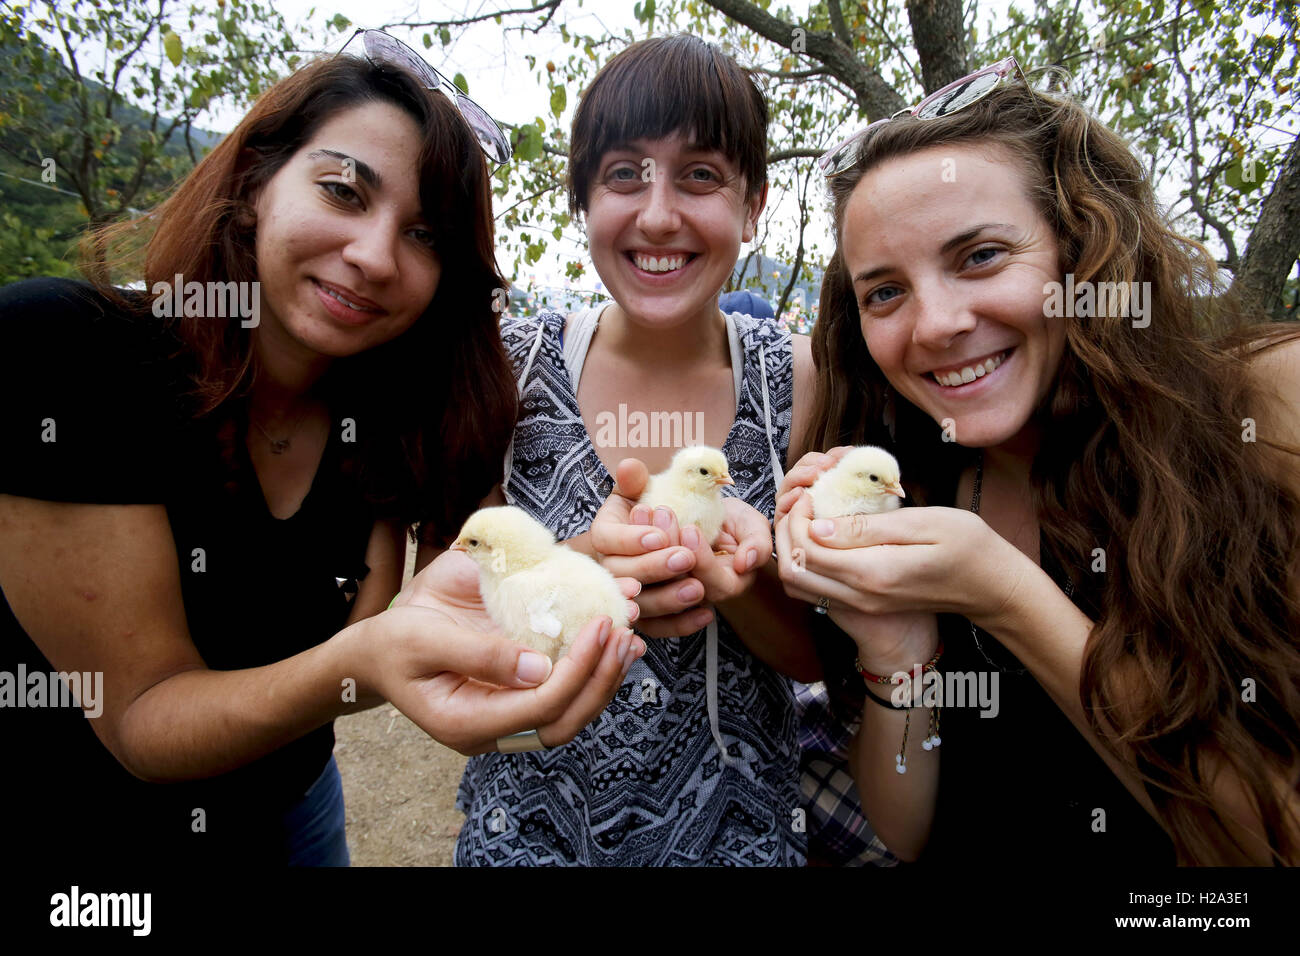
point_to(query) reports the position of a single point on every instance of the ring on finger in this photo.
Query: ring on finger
(823, 605)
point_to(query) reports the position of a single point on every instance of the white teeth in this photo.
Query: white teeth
(350, 305)
(659, 264)
(969, 373)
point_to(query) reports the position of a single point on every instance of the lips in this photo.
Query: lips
(345, 306)
(341, 294)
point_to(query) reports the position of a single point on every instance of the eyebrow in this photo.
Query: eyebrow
(951, 244)
(364, 170)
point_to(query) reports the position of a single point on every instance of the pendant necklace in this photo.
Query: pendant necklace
(279, 445)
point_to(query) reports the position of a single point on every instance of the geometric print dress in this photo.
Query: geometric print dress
(645, 784)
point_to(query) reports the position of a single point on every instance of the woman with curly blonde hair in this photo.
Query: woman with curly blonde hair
(1103, 448)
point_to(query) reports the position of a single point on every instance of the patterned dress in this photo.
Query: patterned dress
(645, 783)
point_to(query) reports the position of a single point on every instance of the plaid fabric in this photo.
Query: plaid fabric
(838, 833)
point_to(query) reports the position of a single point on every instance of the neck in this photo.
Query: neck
(286, 376)
(1015, 456)
(701, 340)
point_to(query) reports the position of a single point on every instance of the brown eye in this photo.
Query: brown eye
(473, 542)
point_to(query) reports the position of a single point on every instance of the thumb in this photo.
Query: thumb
(630, 478)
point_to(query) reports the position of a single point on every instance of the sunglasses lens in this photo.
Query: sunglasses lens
(491, 138)
(959, 97)
(384, 49)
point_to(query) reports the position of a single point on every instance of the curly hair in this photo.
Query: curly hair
(439, 401)
(1143, 455)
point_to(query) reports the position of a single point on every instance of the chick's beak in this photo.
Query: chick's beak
(896, 489)
(459, 546)
(724, 479)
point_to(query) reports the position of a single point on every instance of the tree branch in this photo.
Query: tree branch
(782, 155)
(550, 6)
(874, 96)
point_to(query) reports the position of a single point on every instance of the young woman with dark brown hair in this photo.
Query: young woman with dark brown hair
(1109, 524)
(204, 515)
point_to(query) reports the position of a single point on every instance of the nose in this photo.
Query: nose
(372, 248)
(940, 315)
(659, 215)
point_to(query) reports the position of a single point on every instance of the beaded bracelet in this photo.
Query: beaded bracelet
(931, 741)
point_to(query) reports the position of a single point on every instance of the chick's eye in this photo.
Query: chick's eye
(473, 542)
(873, 477)
(704, 471)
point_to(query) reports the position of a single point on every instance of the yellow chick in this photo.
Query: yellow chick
(538, 591)
(692, 487)
(865, 482)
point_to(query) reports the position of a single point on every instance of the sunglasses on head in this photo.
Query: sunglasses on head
(953, 97)
(385, 51)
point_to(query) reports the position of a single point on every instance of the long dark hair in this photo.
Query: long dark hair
(434, 407)
(1143, 455)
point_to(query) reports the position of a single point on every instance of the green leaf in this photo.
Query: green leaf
(459, 80)
(444, 35)
(1246, 175)
(172, 44)
(558, 100)
(428, 41)
(529, 146)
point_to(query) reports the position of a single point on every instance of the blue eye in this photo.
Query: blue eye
(978, 258)
(873, 298)
(617, 174)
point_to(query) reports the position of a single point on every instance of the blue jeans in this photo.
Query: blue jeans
(314, 829)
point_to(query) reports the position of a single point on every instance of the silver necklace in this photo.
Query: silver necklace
(279, 445)
(974, 631)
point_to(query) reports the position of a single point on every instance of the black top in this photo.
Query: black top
(94, 410)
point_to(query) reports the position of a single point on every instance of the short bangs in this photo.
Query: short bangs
(667, 85)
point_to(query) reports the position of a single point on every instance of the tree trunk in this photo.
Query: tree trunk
(940, 37)
(1274, 244)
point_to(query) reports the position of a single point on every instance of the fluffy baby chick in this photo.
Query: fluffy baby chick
(865, 482)
(538, 592)
(692, 488)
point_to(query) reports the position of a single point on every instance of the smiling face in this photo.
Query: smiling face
(665, 234)
(949, 277)
(344, 255)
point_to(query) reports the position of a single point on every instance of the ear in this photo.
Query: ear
(755, 210)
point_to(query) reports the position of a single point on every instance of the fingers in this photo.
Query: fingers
(905, 526)
(663, 565)
(754, 535)
(675, 596)
(808, 468)
(630, 478)
(675, 625)
(484, 657)
(595, 693)
(630, 587)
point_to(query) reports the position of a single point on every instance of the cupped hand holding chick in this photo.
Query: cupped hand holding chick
(677, 575)
(437, 657)
(538, 591)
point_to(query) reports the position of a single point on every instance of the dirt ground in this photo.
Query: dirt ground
(399, 787)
